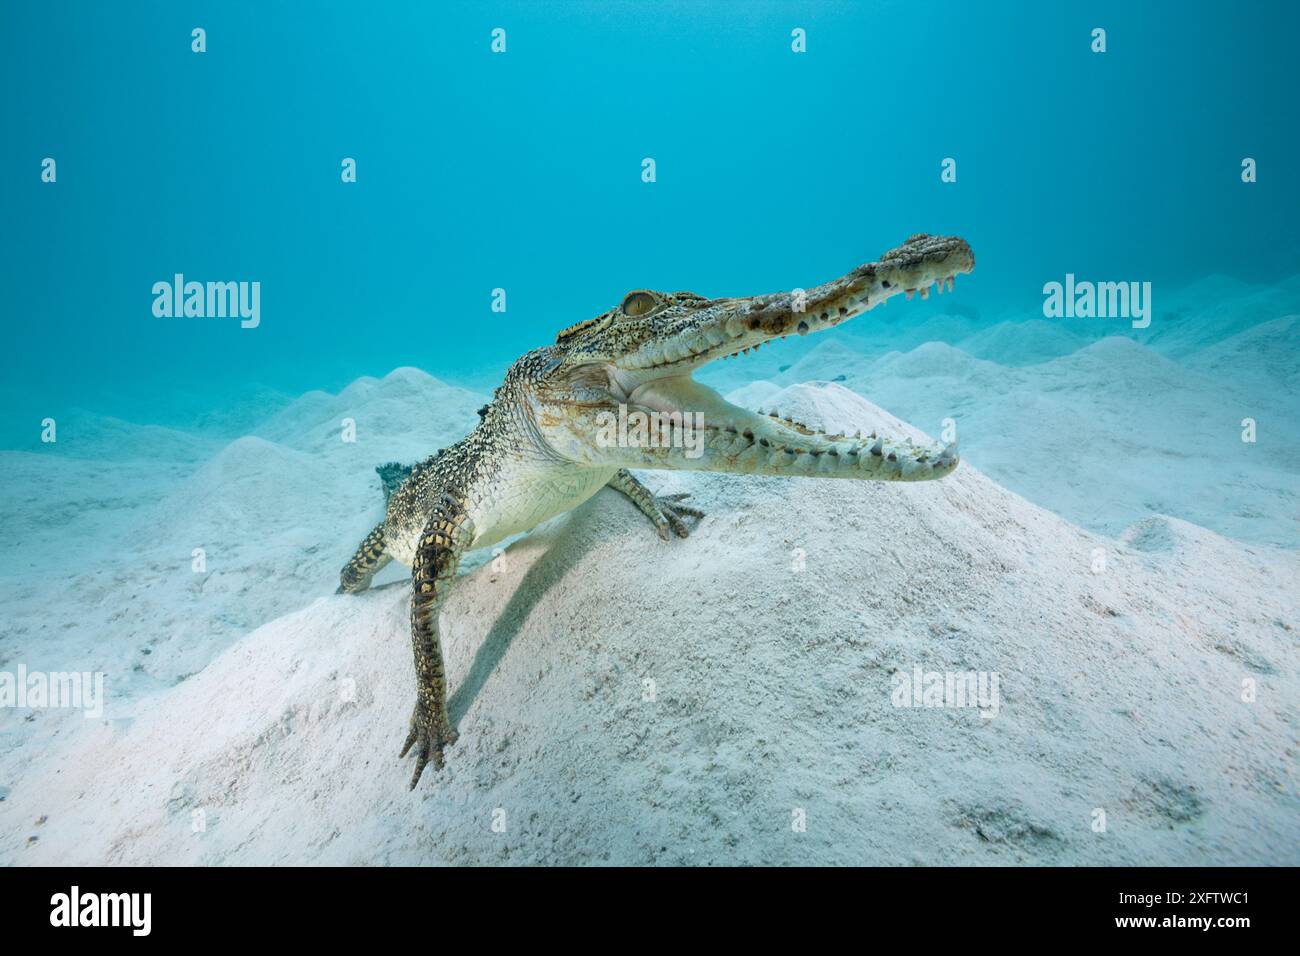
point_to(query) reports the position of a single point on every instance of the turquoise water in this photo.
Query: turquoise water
(1121, 541)
(522, 171)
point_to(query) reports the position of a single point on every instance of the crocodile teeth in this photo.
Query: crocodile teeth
(925, 292)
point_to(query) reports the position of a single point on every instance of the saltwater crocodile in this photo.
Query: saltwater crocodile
(543, 444)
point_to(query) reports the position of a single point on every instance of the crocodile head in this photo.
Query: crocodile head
(640, 356)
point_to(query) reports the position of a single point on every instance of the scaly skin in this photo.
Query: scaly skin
(542, 445)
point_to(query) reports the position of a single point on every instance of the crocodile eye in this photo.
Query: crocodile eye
(637, 303)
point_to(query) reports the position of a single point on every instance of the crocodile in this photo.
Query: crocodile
(543, 445)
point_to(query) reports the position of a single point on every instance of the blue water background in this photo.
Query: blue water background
(522, 171)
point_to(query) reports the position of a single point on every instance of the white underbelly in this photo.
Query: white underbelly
(512, 505)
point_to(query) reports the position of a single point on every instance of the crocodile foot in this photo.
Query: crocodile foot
(430, 732)
(670, 514)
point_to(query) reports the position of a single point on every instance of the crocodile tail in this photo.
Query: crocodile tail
(391, 477)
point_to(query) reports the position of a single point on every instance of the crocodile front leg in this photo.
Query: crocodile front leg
(445, 538)
(665, 511)
(371, 555)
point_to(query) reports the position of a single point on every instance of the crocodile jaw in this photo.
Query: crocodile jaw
(731, 439)
(655, 379)
(728, 327)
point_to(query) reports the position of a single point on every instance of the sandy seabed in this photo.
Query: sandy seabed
(1110, 548)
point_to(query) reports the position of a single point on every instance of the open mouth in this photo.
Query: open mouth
(770, 442)
(658, 379)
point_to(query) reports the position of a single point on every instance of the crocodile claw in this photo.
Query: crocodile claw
(671, 514)
(430, 733)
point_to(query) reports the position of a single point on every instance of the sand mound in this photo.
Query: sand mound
(1264, 355)
(932, 360)
(1022, 343)
(1111, 433)
(1195, 319)
(407, 414)
(240, 493)
(825, 362)
(85, 435)
(626, 700)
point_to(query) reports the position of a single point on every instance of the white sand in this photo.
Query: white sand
(254, 695)
(1105, 435)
